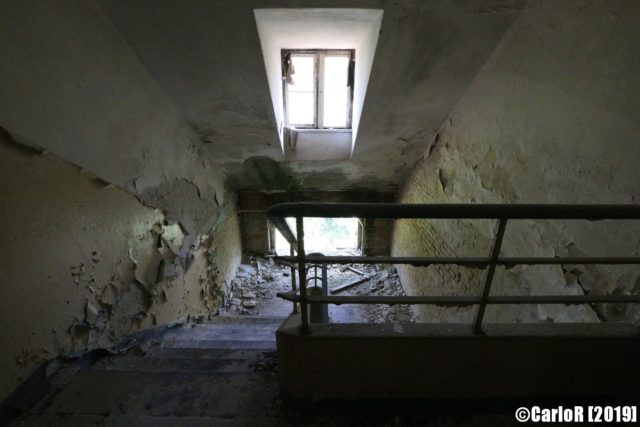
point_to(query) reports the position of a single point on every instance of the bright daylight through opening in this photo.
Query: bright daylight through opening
(318, 88)
(329, 236)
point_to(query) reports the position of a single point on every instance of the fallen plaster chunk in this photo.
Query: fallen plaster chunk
(246, 270)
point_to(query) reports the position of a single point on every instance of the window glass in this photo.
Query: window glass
(301, 92)
(317, 94)
(336, 92)
(301, 108)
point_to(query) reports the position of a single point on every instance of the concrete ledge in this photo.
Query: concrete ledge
(442, 361)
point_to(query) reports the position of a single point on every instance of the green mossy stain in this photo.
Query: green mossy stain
(260, 172)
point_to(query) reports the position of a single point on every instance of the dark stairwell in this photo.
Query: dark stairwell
(139, 152)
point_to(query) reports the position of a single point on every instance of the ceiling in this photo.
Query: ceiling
(207, 58)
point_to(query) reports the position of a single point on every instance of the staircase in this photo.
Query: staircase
(218, 373)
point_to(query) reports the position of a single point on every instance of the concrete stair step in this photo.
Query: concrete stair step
(54, 420)
(220, 344)
(146, 421)
(241, 320)
(235, 326)
(248, 334)
(146, 364)
(193, 378)
(168, 394)
(205, 353)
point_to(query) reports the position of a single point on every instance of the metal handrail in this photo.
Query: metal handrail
(499, 212)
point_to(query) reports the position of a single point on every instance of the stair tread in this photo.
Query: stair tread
(220, 344)
(167, 393)
(223, 334)
(149, 421)
(245, 320)
(145, 364)
(205, 353)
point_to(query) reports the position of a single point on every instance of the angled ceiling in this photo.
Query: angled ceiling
(207, 58)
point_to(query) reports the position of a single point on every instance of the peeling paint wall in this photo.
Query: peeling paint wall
(84, 263)
(71, 84)
(553, 117)
(427, 54)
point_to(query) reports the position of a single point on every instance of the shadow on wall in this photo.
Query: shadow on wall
(89, 264)
(551, 118)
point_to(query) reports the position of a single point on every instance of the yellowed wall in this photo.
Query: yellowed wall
(553, 117)
(80, 262)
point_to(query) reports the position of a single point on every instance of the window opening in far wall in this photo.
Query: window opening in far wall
(329, 236)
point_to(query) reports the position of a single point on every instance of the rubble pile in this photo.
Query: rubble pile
(384, 281)
(257, 281)
(253, 290)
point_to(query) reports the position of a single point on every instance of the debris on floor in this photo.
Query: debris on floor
(383, 281)
(258, 280)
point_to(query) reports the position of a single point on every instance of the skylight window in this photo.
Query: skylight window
(318, 88)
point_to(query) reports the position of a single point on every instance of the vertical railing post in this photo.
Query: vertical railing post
(302, 273)
(293, 278)
(495, 253)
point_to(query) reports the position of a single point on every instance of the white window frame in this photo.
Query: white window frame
(318, 95)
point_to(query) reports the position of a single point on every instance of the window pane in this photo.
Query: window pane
(303, 78)
(301, 108)
(336, 92)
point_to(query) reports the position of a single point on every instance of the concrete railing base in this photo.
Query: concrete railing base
(444, 361)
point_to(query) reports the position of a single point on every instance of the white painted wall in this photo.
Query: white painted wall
(318, 29)
(318, 145)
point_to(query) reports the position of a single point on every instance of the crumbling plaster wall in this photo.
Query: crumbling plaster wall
(427, 50)
(553, 117)
(72, 85)
(84, 263)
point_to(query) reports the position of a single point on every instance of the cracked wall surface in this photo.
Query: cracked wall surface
(85, 264)
(73, 86)
(553, 117)
(427, 50)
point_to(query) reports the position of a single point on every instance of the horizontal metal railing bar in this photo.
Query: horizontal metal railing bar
(480, 262)
(567, 260)
(456, 211)
(565, 299)
(384, 299)
(465, 300)
(463, 261)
